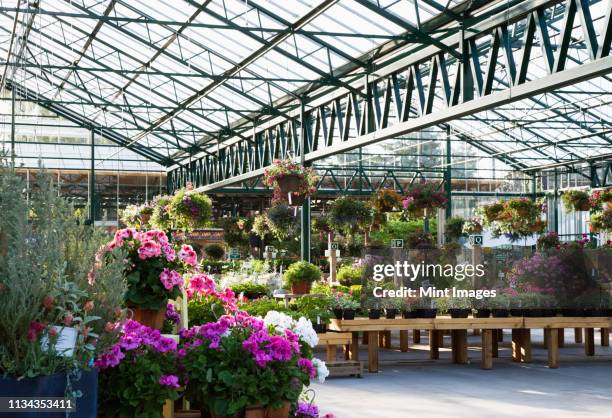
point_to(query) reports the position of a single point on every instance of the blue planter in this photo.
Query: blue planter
(55, 386)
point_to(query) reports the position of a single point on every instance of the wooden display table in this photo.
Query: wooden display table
(520, 326)
(346, 367)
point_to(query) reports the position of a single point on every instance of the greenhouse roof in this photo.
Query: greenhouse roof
(183, 81)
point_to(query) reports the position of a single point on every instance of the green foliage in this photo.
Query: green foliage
(349, 275)
(235, 231)
(250, 290)
(398, 229)
(312, 307)
(160, 218)
(576, 200)
(215, 251)
(281, 221)
(260, 226)
(454, 228)
(189, 209)
(202, 310)
(347, 215)
(132, 389)
(300, 272)
(46, 255)
(218, 267)
(260, 307)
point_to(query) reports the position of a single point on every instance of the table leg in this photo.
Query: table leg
(459, 346)
(487, 349)
(364, 338)
(347, 351)
(561, 337)
(381, 339)
(578, 335)
(354, 354)
(526, 345)
(331, 352)
(500, 335)
(403, 340)
(553, 347)
(495, 343)
(589, 341)
(440, 338)
(387, 339)
(475, 332)
(373, 351)
(516, 345)
(605, 337)
(434, 348)
(416, 336)
(168, 409)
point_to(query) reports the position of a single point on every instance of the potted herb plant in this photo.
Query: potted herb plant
(424, 308)
(300, 276)
(291, 181)
(576, 200)
(392, 307)
(409, 308)
(459, 307)
(500, 305)
(374, 308)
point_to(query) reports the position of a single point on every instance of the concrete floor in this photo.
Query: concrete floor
(410, 385)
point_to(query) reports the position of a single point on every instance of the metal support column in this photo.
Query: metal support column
(556, 203)
(305, 221)
(13, 125)
(92, 181)
(448, 174)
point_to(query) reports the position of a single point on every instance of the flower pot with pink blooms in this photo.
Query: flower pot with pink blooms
(292, 182)
(423, 197)
(189, 209)
(154, 271)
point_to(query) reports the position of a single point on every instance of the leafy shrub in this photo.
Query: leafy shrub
(302, 271)
(260, 307)
(348, 275)
(250, 290)
(215, 251)
(454, 228)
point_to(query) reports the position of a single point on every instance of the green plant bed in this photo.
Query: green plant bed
(250, 290)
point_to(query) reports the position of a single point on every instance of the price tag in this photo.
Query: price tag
(334, 245)
(475, 239)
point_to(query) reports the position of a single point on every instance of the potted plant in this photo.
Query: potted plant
(423, 196)
(424, 308)
(138, 373)
(349, 275)
(160, 216)
(576, 200)
(300, 276)
(281, 222)
(482, 308)
(349, 307)
(408, 307)
(548, 241)
(500, 305)
(459, 307)
(472, 226)
(53, 306)
(154, 271)
(214, 251)
(392, 307)
(515, 218)
(374, 308)
(601, 221)
(244, 364)
(386, 200)
(492, 211)
(454, 228)
(314, 308)
(601, 199)
(137, 216)
(419, 240)
(291, 181)
(189, 209)
(348, 215)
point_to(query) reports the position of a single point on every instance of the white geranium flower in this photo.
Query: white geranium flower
(304, 329)
(322, 370)
(278, 320)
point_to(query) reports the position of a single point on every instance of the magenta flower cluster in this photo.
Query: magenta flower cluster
(169, 380)
(266, 348)
(309, 410)
(201, 285)
(172, 315)
(135, 340)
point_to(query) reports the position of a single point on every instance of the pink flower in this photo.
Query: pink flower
(169, 380)
(170, 278)
(202, 285)
(188, 255)
(34, 330)
(149, 249)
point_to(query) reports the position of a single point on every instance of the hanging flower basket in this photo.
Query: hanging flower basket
(288, 177)
(386, 200)
(576, 200)
(423, 196)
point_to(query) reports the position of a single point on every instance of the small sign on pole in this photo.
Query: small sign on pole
(234, 254)
(397, 243)
(334, 245)
(475, 239)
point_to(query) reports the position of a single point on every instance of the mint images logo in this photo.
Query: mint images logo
(411, 272)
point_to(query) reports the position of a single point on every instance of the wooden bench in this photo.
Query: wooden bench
(490, 327)
(346, 367)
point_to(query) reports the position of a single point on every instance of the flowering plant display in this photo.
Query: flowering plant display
(137, 216)
(515, 218)
(576, 200)
(281, 221)
(472, 226)
(189, 209)
(160, 217)
(386, 200)
(308, 410)
(423, 195)
(342, 300)
(548, 241)
(602, 221)
(154, 267)
(240, 361)
(138, 373)
(348, 215)
(454, 228)
(286, 176)
(235, 231)
(599, 198)
(206, 303)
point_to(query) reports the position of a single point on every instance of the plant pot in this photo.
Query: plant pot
(374, 314)
(280, 412)
(482, 313)
(533, 313)
(426, 313)
(255, 411)
(319, 328)
(296, 200)
(500, 313)
(145, 218)
(149, 317)
(55, 386)
(390, 313)
(459, 312)
(348, 314)
(337, 313)
(582, 206)
(516, 311)
(409, 314)
(289, 183)
(300, 288)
